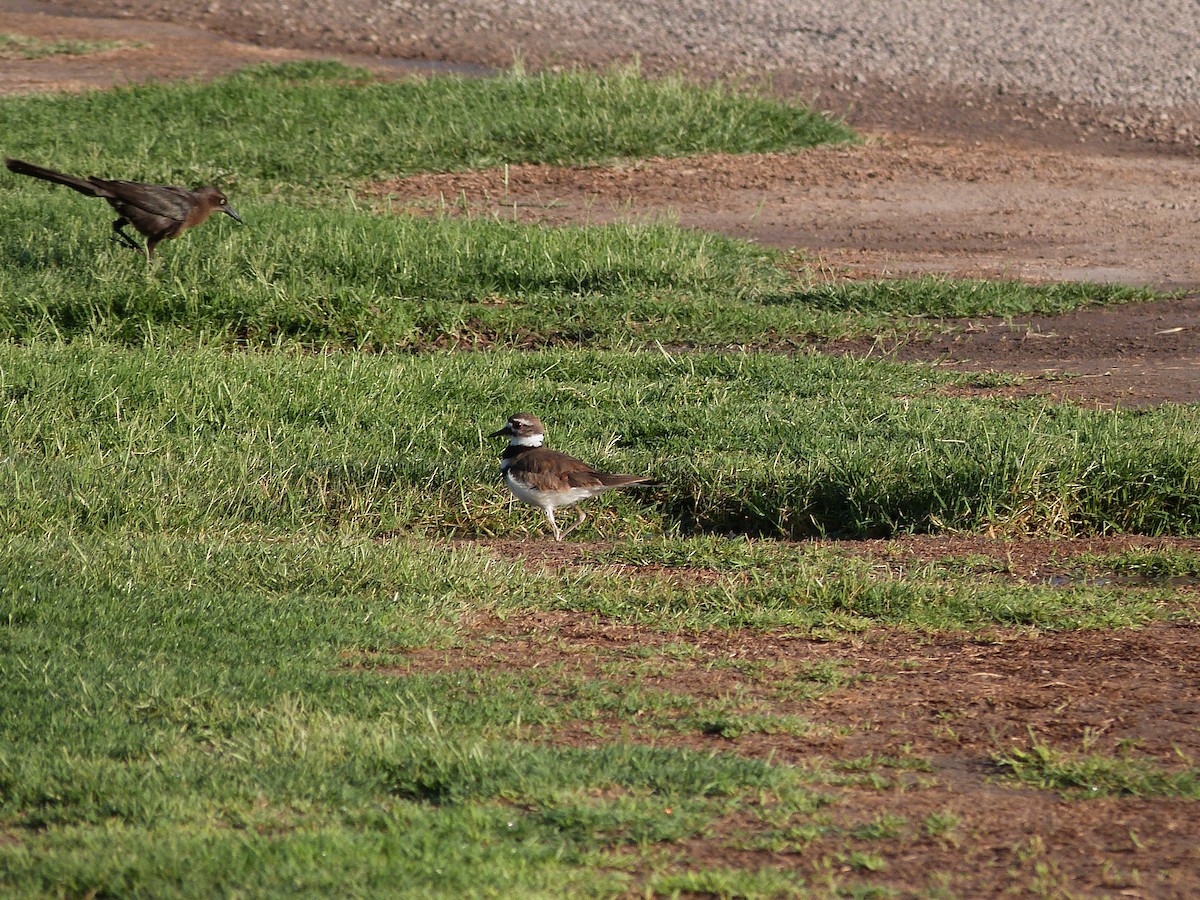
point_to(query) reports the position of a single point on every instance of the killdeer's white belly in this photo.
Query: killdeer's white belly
(545, 499)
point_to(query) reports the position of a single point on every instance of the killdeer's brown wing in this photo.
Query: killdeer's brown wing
(549, 470)
(586, 477)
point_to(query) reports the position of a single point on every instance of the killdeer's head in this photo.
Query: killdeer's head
(522, 430)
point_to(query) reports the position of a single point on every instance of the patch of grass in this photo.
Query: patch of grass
(874, 772)
(306, 129)
(312, 267)
(865, 861)
(732, 725)
(883, 827)
(208, 732)
(213, 723)
(972, 564)
(22, 46)
(106, 439)
(1150, 566)
(815, 679)
(614, 703)
(719, 554)
(795, 828)
(941, 298)
(817, 592)
(728, 882)
(446, 855)
(349, 278)
(943, 826)
(1086, 775)
(792, 838)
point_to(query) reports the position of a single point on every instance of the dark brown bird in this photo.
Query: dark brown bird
(158, 211)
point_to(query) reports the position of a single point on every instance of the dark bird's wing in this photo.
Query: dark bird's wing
(156, 210)
(167, 201)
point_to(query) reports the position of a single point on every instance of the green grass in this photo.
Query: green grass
(346, 277)
(21, 46)
(107, 439)
(728, 882)
(1088, 775)
(236, 712)
(224, 724)
(233, 710)
(1150, 566)
(294, 144)
(309, 130)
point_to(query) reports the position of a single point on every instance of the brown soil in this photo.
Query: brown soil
(1007, 189)
(929, 715)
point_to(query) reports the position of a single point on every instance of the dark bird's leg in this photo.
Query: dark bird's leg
(118, 227)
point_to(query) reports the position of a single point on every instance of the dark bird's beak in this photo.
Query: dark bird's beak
(229, 211)
(503, 432)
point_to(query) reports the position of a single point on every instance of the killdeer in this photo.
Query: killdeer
(549, 479)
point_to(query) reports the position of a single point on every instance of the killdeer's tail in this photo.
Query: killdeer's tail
(621, 481)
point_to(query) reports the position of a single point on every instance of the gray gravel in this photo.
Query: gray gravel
(1107, 52)
(1099, 52)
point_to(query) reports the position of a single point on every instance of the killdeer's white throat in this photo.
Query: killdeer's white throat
(549, 479)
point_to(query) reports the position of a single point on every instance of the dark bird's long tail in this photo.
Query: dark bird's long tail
(78, 184)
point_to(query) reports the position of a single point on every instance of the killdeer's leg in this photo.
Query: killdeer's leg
(578, 522)
(553, 524)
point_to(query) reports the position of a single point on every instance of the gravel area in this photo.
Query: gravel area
(1055, 71)
(1101, 52)
(1090, 51)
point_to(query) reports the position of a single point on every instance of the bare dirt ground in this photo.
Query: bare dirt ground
(953, 703)
(1013, 187)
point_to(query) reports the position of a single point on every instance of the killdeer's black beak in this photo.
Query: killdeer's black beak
(503, 432)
